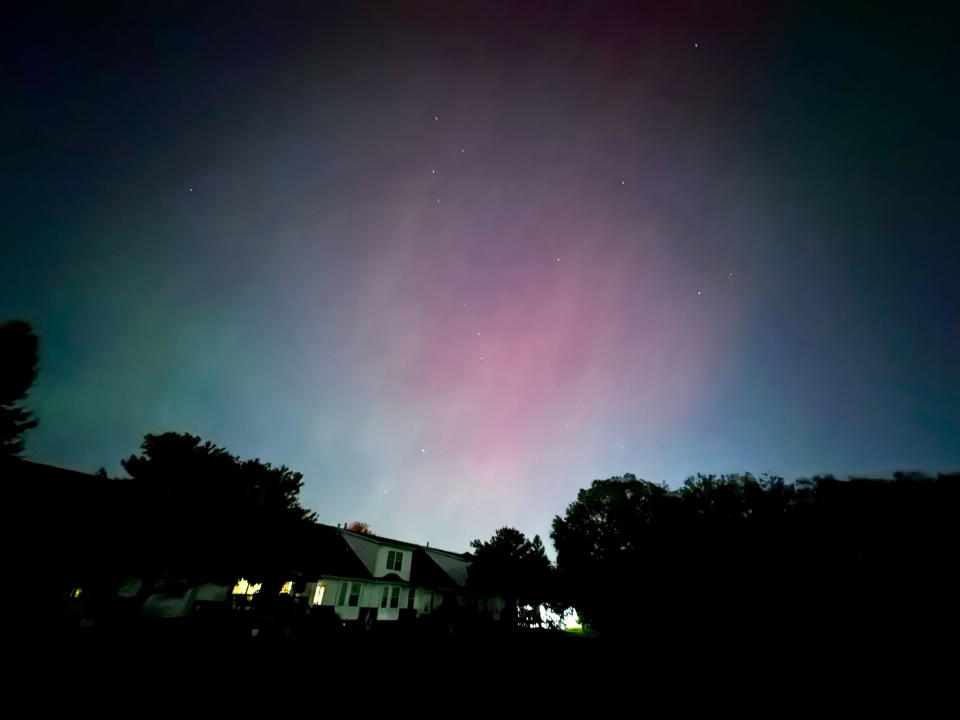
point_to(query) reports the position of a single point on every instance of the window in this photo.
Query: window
(395, 597)
(245, 588)
(411, 598)
(394, 560)
(318, 594)
(342, 595)
(354, 595)
(384, 591)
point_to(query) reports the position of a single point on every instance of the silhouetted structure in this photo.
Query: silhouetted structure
(105, 566)
(724, 560)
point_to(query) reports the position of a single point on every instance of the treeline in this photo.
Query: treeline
(189, 513)
(729, 554)
(739, 556)
(736, 553)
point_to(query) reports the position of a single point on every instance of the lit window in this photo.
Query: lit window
(395, 597)
(354, 595)
(318, 594)
(287, 588)
(76, 592)
(243, 587)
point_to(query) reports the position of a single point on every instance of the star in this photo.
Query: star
(423, 450)
(478, 332)
(558, 259)
(191, 189)
(438, 201)
(623, 182)
(698, 292)
(696, 45)
(731, 274)
(434, 172)
(435, 117)
(461, 149)
(481, 357)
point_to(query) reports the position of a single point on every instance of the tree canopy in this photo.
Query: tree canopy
(205, 508)
(18, 369)
(514, 567)
(730, 551)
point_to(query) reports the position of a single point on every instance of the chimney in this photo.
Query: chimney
(428, 543)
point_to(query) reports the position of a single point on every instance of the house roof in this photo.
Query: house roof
(323, 550)
(456, 567)
(431, 567)
(426, 573)
(402, 543)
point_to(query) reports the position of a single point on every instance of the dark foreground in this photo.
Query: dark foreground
(172, 669)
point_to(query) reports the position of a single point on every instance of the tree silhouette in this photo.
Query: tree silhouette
(515, 568)
(607, 541)
(204, 510)
(732, 556)
(18, 369)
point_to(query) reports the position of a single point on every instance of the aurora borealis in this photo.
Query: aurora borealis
(453, 262)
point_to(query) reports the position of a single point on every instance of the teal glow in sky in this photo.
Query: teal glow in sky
(453, 264)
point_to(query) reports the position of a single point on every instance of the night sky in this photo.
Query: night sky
(452, 263)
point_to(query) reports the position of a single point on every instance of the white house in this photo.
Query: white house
(372, 578)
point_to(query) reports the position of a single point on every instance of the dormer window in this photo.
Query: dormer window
(394, 560)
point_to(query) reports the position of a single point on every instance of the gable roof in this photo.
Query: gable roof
(431, 567)
(424, 572)
(456, 567)
(400, 544)
(323, 550)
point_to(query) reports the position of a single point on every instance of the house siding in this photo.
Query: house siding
(443, 576)
(381, 568)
